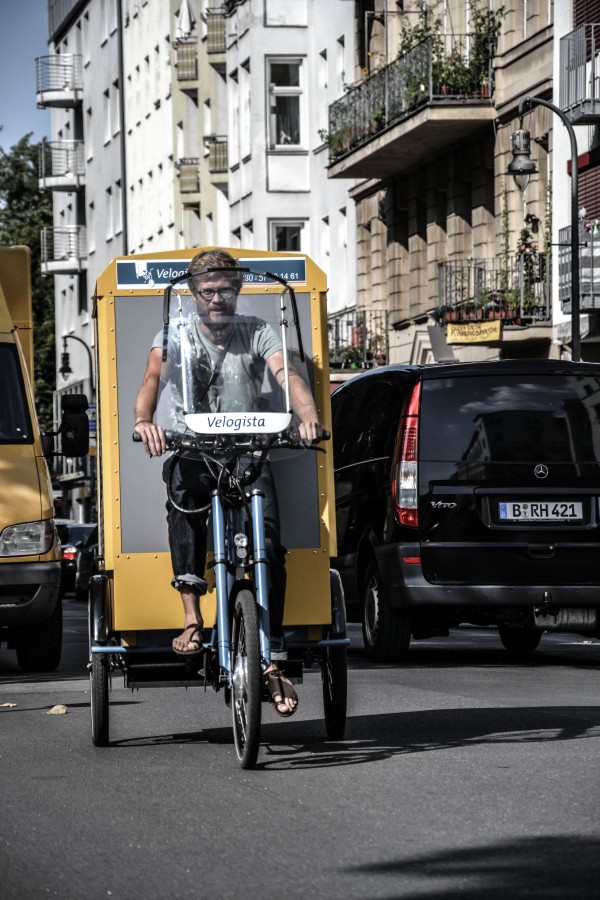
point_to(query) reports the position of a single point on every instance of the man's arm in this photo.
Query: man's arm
(145, 405)
(302, 400)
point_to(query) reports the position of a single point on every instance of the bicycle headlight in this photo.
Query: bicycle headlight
(27, 538)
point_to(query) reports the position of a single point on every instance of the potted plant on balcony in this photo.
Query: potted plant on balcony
(486, 27)
(454, 74)
(351, 358)
(377, 349)
(527, 253)
(377, 119)
(338, 141)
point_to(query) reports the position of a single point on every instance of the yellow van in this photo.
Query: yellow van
(30, 609)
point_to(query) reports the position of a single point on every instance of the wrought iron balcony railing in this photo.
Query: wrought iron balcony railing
(358, 338)
(580, 74)
(59, 80)
(61, 165)
(517, 291)
(401, 88)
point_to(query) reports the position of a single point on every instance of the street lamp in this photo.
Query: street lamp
(522, 168)
(65, 367)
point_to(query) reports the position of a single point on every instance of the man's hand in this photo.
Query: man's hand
(311, 431)
(153, 437)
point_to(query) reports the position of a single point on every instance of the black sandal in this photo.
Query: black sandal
(277, 684)
(195, 638)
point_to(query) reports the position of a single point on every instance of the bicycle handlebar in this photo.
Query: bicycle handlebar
(228, 443)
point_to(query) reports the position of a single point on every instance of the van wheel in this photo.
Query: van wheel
(386, 631)
(519, 640)
(39, 646)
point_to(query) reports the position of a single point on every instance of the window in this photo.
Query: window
(285, 79)
(15, 424)
(366, 422)
(340, 63)
(284, 235)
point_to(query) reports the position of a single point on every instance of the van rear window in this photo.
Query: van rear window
(15, 423)
(511, 418)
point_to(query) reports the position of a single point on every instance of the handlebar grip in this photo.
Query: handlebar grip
(137, 437)
(326, 435)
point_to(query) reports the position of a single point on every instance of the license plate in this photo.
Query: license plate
(540, 511)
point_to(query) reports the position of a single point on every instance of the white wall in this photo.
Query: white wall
(290, 183)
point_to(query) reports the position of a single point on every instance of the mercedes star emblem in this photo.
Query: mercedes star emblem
(541, 471)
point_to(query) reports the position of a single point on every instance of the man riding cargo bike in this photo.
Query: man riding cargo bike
(229, 392)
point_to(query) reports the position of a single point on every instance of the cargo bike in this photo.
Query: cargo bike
(134, 612)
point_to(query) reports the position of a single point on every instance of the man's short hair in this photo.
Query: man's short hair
(215, 259)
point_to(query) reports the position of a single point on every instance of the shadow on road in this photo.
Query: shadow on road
(303, 744)
(552, 867)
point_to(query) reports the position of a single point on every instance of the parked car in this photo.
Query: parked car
(469, 493)
(87, 564)
(73, 537)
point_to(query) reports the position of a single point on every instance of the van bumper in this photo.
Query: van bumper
(28, 592)
(405, 586)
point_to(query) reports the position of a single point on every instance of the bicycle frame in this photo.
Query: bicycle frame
(226, 528)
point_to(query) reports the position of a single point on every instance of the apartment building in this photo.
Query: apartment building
(181, 123)
(462, 263)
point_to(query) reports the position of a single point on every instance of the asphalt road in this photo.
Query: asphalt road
(462, 775)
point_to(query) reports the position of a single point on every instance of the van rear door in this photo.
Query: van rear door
(509, 474)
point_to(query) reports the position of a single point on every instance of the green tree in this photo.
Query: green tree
(24, 211)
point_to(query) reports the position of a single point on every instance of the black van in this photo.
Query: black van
(469, 493)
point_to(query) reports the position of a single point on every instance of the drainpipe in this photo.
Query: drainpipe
(122, 148)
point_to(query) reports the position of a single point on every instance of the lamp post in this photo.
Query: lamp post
(522, 168)
(65, 368)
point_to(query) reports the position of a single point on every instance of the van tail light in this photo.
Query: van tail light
(405, 487)
(69, 553)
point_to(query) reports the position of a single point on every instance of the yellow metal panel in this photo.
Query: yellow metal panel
(144, 599)
(141, 595)
(15, 297)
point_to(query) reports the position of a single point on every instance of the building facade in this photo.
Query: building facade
(461, 262)
(180, 124)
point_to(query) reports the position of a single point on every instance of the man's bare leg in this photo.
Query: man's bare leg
(191, 612)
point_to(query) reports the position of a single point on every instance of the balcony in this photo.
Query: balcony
(189, 175)
(64, 250)
(186, 53)
(59, 80)
(410, 110)
(580, 75)
(216, 38)
(516, 290)
(589, 269)
(357, 338)
(217, 158)
(61, 166)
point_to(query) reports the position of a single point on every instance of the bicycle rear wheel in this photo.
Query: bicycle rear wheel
(246, 694)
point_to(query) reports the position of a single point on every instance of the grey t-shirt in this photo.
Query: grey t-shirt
(228, 380)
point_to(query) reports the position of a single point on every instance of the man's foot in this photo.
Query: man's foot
(284, 698)
(189, 642)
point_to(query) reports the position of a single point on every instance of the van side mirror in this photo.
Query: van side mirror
(75, 425)
(48, 444)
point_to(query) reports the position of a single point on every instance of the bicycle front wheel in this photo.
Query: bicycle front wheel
(246, 693)
(99, 702)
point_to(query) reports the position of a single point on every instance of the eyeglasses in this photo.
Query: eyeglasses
(224, 293)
